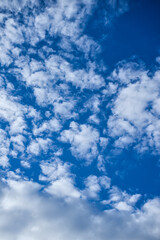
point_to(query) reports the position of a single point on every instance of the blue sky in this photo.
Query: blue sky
(79, 119)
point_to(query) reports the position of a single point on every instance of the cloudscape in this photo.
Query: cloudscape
(79, 120)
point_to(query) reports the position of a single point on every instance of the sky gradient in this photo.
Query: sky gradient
(79, 120)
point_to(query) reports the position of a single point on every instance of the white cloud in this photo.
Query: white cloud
(25, 164)
(32, 215)
(16, 5)
(63, 187)
(94, 119)
(103, 142)
(85, 79)
(12, 111)
(30, 210)
(61, 182)
(13, 33)
(101, 163)
(121, 200)
(122, 206)
(54, 169)
(18, 142)
(93, 104)
(12, 114)
(34, 148)
(65, 108)
(38, 145)
(88, 46)
(135, 109)
(127, 72)
(94, 185)
(83, 139)
(4, 149)
(105, 182)
(52, 125)
(45, 96)
(4, 160)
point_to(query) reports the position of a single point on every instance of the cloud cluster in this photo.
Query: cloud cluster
(83, 140)
(57, 106)
(31, 215)
(135, 111)
(39, 78)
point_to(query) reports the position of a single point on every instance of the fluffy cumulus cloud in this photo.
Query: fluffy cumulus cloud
(121, 201)
(94, 185)
(135, 114)
(53, 218)
(83, 140)
(63, 115)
